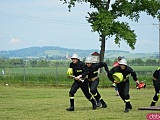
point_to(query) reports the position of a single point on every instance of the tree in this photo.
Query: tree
(2, 63)
(43, 63)
(151, 62)
(137, 61)
(109, 62)
(105, 19)
(15, 62)
(33, 63)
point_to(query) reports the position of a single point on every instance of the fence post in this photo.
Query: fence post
(56, 76)
(24, 74)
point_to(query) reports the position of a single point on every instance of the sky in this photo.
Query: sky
(28, 23)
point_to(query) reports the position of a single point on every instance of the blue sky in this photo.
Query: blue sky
(28, 23)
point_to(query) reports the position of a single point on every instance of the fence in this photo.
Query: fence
(50, 76)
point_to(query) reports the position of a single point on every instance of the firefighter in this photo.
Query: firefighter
(94, 79)
(123, 85)
(156, 83)
(80, 71)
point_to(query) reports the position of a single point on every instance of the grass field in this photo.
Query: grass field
(50, 103)
(54, 76)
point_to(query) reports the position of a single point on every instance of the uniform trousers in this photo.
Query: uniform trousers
(123, 89)
(156, 84)
(84, 87)
(93, 88)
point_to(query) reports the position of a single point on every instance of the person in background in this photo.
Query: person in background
(114, 65)
(123, 85)
(156, 83)
(94, 79)
(117, 62)
(2, 72)
(80, 71)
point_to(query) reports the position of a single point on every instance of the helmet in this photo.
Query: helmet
(88, 60)
(69, 72)
(75, 55)
(123, 62)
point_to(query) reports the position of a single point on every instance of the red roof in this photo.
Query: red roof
(95, 54)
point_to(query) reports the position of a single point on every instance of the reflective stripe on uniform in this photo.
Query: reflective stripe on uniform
(127, 100)
(95, 94)
(158, 94)
(71, 97)
(90, 98)
(79, 70)
(95, 72)
(154, 101)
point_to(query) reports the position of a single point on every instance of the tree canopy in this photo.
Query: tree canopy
(104, 19)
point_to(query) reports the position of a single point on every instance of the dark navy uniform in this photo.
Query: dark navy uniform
(80, 69)
(123, 87)
(94, 81)
(156, 84)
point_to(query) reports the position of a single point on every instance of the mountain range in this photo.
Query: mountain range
(58, 53)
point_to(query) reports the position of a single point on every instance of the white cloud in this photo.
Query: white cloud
(14, 41)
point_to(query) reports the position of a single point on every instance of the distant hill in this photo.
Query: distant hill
(59, 52)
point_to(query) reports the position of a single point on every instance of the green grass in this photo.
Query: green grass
(49, 103)
(47, 76)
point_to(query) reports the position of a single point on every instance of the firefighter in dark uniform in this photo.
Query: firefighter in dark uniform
(156, 83)
(94, 79)
(123, 86)
(80, 71)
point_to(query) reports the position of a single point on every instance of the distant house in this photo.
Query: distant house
(68, 57)
(95, 57)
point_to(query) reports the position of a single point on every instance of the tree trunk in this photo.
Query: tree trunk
(102, 51)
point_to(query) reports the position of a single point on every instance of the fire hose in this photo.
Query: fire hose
(78, 79)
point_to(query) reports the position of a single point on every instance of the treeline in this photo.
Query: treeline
(64, 63)
(137, 62)
(15, 63)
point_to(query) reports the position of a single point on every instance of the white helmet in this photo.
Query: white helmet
(75, 55)
(88, 60)
(123, 62)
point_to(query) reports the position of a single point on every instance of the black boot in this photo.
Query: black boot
(93, 103)
(153, 103)
(70, 109)
(104, 105)
(126, 110)
(97, 100)
(98, 103)
(71, 105)
(128, 106)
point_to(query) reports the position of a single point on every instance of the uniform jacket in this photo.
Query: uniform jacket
(79, 69)
(127, 71)
(156, 74)
(93, 70)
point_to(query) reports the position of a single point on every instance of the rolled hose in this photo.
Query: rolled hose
(118, 77)
(69, 72)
